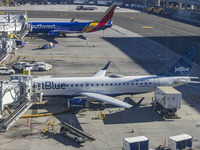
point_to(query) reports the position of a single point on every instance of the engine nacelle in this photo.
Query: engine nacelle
(53, 34)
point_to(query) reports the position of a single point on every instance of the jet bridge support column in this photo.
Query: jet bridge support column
(17, 94)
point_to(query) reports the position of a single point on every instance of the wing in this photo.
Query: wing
(107, 99)
(102, 72)
(187, 82)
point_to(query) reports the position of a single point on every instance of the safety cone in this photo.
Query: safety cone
(132, 131)
(63, 109)
(165, 143)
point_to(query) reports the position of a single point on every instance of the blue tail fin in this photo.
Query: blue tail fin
(184, 65)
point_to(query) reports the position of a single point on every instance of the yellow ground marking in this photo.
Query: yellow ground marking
(126, 16)
(64, 14)
(177, 29)
(2, 13)
(66, 57)
(131, 18)
(147, 27)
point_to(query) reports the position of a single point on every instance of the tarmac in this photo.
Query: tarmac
(83, 55)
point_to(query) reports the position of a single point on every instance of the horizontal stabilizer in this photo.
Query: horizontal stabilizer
(102, 72)
(107, 99)
(138, 103)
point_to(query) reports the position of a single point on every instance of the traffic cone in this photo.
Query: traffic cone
(63, 109)
(132, 131)
(165, 143)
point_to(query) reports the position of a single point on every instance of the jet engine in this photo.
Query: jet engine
(53, 34)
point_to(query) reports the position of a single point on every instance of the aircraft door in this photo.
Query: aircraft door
(30, 27)
(87, 85)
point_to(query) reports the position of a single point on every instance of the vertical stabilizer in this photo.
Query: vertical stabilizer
(184, 65)
(107, 16)
(104, 22)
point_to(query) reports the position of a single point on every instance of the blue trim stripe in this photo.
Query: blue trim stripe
(184, 65)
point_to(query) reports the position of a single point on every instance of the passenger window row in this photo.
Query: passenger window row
(106, 84)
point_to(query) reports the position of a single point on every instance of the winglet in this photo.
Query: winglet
(106, 67)
(72, 19)
(102, 72)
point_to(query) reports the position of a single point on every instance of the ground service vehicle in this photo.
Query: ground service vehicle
(4, 71)
(86, 7)
(41, 66)
(167, 101)
(20, 65)
(67, 133)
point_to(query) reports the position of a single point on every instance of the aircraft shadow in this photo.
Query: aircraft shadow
(66, 141)
(176, 43)
(53, 106)
(182, 20)
(81, 36)
(156, 59)
(47, 38)
(133, 115)
(35, 49)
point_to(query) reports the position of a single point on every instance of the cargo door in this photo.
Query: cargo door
(30, 27)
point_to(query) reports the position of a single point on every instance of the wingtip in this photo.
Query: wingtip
(106, 67)
(129, 106)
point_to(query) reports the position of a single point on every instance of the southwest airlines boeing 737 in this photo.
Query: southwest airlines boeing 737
(102, 88)
(55, 28)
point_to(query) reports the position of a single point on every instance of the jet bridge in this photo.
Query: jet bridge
(12, 27)
(13, 23)
(15, 95)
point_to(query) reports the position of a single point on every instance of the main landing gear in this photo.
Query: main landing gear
(100, 106)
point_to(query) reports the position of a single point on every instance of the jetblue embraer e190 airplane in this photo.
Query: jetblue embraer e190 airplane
(55, 28)
(102, 88)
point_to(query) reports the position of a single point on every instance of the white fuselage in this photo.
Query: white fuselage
(113, 86)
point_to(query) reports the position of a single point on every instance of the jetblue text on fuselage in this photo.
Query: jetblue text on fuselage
(49, 85)
(40, 26)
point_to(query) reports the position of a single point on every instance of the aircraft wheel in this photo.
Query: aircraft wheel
(102, 107)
